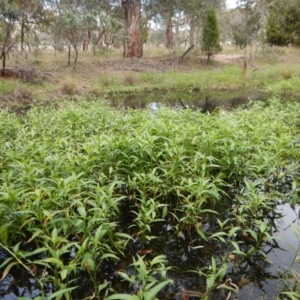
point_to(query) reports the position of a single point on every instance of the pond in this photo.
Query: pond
(206, 221)
(282, 256)
(257, 277)
(206, 101)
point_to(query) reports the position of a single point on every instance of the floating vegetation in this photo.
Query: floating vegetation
(98, 203)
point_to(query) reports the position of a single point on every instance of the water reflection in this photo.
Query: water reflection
(282, 256)
(204, 101)
(257, 277)
(286, 238)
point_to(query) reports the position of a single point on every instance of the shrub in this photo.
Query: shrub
(130, 79)
(287, 74)
(69, 87)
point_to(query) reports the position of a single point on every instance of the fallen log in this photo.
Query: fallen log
(185, 53)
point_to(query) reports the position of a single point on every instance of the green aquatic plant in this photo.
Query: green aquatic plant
(149, 280)
(79, 179)
(214, 274)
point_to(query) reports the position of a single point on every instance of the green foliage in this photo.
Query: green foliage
(211, 35)
(240, 38)
(72, 25)
(283, 22)
(246, 27)
(287, 87)
(145, 279)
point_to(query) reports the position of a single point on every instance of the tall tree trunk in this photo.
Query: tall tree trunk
(169, 32)
(76, 54)
(69, 55)
(100, 35)
(3, 56)
(5, 48)
(22, 35)
(131, 12)
(192, 32)
(86, 41)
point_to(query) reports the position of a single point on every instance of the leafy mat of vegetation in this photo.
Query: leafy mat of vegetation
(67, 172)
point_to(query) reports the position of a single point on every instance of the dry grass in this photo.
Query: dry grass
(287, 74)
(69, 87)
(130, 79)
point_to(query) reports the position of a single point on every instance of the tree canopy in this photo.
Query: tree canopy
(80, 25)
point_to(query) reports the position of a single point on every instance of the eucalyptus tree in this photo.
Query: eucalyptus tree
(164, 13)
(33, 15)
(132, 16)
(73, 22)
(9, 17)
(247, 27)
(167, 10)
(136, 17)
(109, 21)
(193, 11)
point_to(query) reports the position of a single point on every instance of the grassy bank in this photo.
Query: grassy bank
(47, 77)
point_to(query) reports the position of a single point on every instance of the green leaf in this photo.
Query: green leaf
(108, 255)
(236, 246)
(100, 233)
(122, 297)
(160, 259)
(54, 261)
(58, 294)
(103, 286)
(4, 234)
(7, 269)
(82, 211)
(130, 279)
(291, 295)
(262, 227)
(219, 236)
(36, 251)
(200, 231)
(54, 235)
(63, 274)
(36, 233)
(253, 234)
(210, 281)
(154, 291)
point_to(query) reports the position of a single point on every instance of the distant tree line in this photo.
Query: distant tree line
(81, 25)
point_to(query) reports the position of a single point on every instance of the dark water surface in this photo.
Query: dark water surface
(205, 101)
(258, 278)
(282, 257)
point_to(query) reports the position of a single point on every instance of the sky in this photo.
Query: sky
(231, 3)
